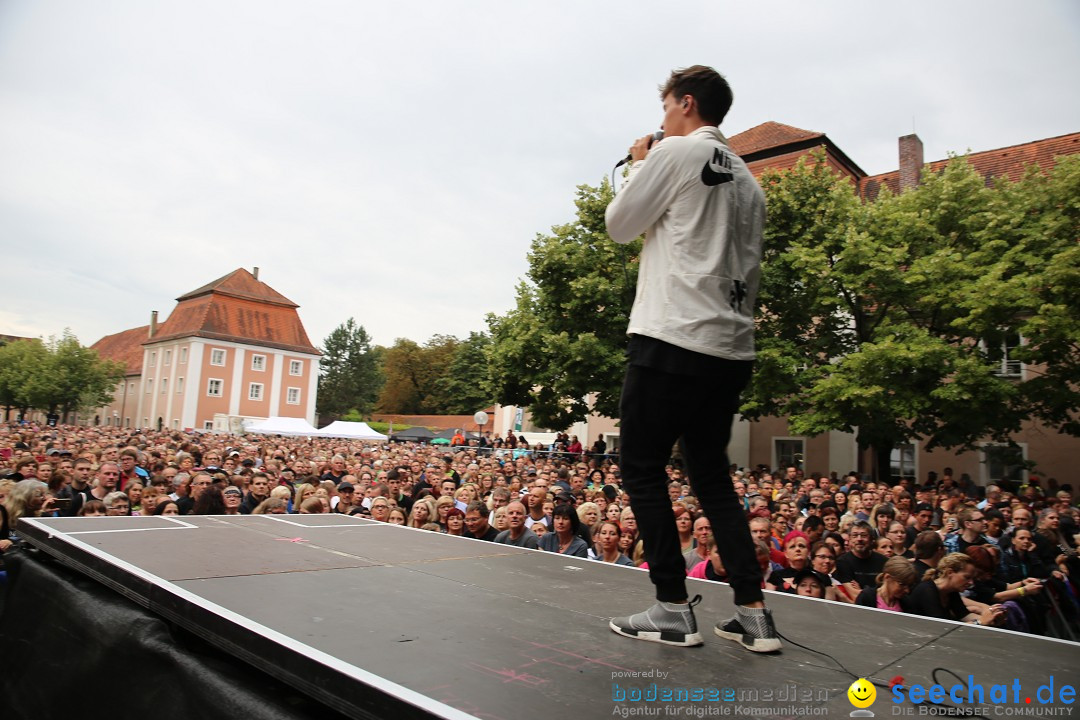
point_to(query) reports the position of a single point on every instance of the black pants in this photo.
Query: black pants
(658, 408)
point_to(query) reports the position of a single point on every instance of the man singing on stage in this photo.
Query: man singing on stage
(691, 350)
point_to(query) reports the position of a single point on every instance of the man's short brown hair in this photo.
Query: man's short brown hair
(708, 88)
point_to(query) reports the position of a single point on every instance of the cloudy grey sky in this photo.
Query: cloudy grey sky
(393, 161)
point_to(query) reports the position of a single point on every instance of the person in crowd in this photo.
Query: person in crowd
(564, 537)
(516, 533)
(233, 497)
(26, 499)
(117, 503)
(210, 500)
(860, 563)
(810, 583)
(607, 546)
(476, 522)
(684, 523)
(893, 583)
(423, 512)
(939, 595)
(272, 506)
(797, 557)
(455, 522)
(167, 507)
(712, 568)
(95, 508)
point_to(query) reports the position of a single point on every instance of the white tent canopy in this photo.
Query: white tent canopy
(350, 431)
(283, 426)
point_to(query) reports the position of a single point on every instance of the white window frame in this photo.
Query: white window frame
(210, 384)
(183, 356)
(149, 386)
(1007, 368)
(180, 385)
(164, 385)
(253, 394)
(168, 358)
(153, 358)
(217, 353)
(985, 473)
(289, 393)
(914, 444)
(296, 368)
(208, 425)
(176, 424)
(258, 363)
(776, 463)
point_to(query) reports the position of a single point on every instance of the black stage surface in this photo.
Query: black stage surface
(376, 620)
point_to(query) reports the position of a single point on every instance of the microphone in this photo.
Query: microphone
(656, 137)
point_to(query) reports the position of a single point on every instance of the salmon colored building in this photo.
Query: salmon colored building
(231, 350)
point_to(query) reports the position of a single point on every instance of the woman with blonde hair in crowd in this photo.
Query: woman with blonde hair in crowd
(271, 506)
(588, 513)
(28, 498)
(442, 508)
(303, 492)
(939, 595)
(423, 512)
(498, 519)
(314, 505)
(893, 583)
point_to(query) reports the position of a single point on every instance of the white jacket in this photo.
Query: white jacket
(703, 215)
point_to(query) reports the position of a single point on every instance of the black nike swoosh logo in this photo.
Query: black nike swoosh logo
(712, 177)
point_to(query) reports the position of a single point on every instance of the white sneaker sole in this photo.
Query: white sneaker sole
(666, 638)
(751, 643)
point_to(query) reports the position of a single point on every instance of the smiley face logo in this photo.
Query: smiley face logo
(862, 693)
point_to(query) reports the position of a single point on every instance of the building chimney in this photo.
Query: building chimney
(153, 323)
(911, 161)
(255, 272)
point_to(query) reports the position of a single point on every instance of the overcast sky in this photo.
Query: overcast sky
(393, 161)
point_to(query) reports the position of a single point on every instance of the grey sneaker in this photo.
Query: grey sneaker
(661, 624)
(752, 628)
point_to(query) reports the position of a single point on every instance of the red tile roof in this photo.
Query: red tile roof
(124, 347)
(1008, 162)
(779, 146)
(769, 135)
(237, 308)
(241, 284)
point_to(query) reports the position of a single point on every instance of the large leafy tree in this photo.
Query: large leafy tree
(465, 387)
(414, 374)
(351, 376)
(20, 361)
(60, 376)
(884, 318)
(565, 338)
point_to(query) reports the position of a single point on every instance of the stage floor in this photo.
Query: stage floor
(376, 620)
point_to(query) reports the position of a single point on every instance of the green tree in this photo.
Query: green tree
(414, 374)
(878, 318)
(20, 360)
(70, 377)
(350, 368)
(566, 336)
(465, 387)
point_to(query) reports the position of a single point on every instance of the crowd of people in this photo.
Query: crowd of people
(943, 548)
